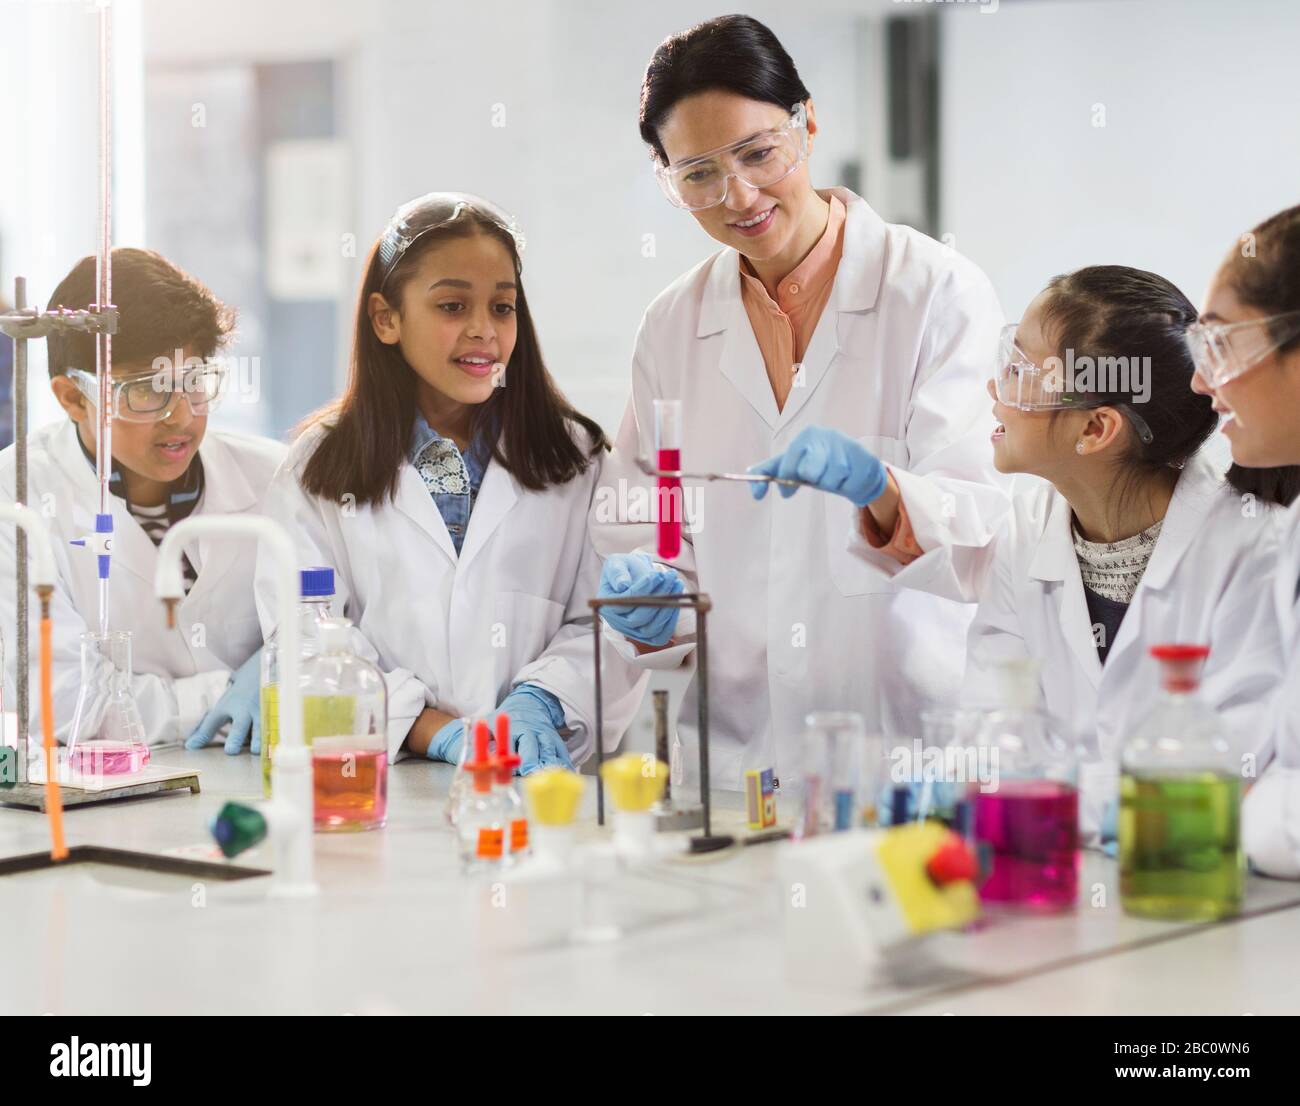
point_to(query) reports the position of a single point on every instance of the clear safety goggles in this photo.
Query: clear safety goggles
(1022, 384)
(1223, 351)
(760, 162)
(151, 398)
(416, 218)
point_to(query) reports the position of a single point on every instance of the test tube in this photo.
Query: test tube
(668, 456)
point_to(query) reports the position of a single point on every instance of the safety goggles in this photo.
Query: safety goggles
(416, 218)
(150, 398)
(761, 161)
(1223, 351)
(1022, 384)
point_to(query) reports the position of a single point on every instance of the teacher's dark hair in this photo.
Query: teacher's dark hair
(735, 53)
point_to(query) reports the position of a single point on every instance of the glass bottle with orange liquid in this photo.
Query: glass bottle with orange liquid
(345, 721)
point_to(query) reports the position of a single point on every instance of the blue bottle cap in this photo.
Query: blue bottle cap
(316, 582)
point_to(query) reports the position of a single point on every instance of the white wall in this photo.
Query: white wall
(420, 83)
(49, 188)
(1201, 138)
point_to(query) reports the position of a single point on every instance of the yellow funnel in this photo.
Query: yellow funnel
(635, 780)
(553, 795)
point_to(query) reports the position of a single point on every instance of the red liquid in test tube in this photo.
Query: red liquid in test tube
(668, 456)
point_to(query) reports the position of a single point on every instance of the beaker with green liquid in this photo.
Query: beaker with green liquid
(1180, 854)
(316, 603)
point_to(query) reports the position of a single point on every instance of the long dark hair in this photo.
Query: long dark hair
(367, 431)
(1111, 311)
(733, 52)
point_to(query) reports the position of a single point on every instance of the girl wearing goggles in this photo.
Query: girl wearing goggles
(1247, 351)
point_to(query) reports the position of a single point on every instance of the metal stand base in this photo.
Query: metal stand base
(123, 858)
(31, 796)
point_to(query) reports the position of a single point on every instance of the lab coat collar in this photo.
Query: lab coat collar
(497, 495)
(1055, 558)
(1198, 484)
(857, 280)
(856, 286)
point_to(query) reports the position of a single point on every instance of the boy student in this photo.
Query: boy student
(166, 465)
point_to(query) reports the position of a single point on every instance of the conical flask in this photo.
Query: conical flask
(107, 736)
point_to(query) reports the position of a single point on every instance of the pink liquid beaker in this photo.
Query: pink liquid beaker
(1031, 826)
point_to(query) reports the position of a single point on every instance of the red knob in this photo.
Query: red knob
(952, 861)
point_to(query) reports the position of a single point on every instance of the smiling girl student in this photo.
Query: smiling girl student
(1247, 351)
(449, 489)
(1136, 538)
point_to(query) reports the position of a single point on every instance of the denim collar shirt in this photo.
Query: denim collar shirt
(453, 478)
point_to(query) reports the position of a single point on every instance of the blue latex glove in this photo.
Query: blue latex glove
(829, 460)
(1110, 829)
(635, 574)
(447, 742)
(240, 705)
(535, 720)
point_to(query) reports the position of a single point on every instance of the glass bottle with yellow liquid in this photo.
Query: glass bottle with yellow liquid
(316, 603)
(1180, 853)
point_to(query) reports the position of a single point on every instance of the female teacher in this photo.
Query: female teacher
(845, 348)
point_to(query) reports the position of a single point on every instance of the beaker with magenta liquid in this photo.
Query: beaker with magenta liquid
(107, 736)
(668, 458)
(1022, 801)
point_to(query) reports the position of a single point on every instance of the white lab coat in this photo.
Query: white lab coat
(1271, 813)
(457, 633)
(178, 673)
(1209, 581)
(800, 623)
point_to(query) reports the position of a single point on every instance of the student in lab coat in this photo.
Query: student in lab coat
(191, 680)
(1247, 351)
(449, 488)
(816, 321)
(1135, 539)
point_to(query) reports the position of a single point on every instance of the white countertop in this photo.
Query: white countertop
(398, 929)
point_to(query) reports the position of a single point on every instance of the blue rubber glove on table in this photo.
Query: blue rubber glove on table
(631, 575)
(240, 705)
(536, 717)
(828, 460)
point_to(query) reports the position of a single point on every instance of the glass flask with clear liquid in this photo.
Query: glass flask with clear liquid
(1180, 854)
(1021, 804)
(345, 721)
(316, 604)
(839, 773)
(107, 735)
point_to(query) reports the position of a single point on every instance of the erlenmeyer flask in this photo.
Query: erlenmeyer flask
(107, 734)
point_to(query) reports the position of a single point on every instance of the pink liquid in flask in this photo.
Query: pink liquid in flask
(109, 758)
(670, 505)
(1032, 829)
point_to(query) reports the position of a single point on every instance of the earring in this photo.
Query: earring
(1078, 447)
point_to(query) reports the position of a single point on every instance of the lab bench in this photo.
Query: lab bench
(397, 929)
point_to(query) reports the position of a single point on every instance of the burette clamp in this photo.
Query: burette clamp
(100, 543)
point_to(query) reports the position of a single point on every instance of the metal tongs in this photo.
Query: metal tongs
(643, 463)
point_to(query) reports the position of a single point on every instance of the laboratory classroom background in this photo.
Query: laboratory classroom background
(558, 507)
